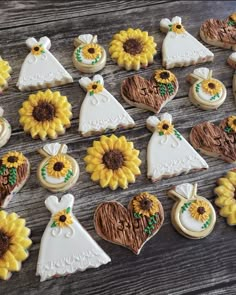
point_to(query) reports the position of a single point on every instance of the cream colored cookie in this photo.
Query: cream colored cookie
(5, 71)
(5, 129)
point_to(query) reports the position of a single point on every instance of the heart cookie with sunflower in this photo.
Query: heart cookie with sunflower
(130, 227)
(216, 141)
(151, 94)
(14, 172)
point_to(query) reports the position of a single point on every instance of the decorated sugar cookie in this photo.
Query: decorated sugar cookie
(151, 94)
(216, 141)
(131, 227)
(100, 110)
(5, 71)
(179, 48)
(225, 192)
(14, 243)
(232, 63)
(206, 92)
(14, 172)
(5, 129)
(113, 162)
(220, 33)
(89, 56)
(66, 247)
(192, 215)
(168, 153)
(45, 114)
(40, 68)
(58, 171)
(132, 49)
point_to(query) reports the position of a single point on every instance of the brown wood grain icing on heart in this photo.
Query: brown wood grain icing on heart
(116, 224)
(146, 94)
(214, 141)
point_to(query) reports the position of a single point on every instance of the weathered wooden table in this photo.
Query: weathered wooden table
(169, 263)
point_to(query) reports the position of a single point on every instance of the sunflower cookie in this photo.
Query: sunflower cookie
(14, 172)
(168, 153)
(131, 227)
(5, 129)
(232, 63)
(216, 141)
(40, 68)
(206, 92)
(113, 161)
(66, 247)
(100, 110)
(132, 49)
(14, 243)
(220, 33)
(5, 71)
(45, 114)
(192, 215)
(151, 94)
(225, 199)
(89, 56)
(58, 171)
(179, 48)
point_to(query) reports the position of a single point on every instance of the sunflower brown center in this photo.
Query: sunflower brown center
(36, 48)
(178, 26)
(201, 210)
(62, 218)
(12, 159)
(211, 85)
(44, 111)
(113, 159)
(91, 50)
(146, 204)
(4, 243)
(165, 126)
(164, 75)
(133, 46)
(234, 122)
(58, 166)
(94, 86)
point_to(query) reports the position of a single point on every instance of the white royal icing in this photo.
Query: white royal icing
(68, 249)
(168, 156)
(208, 97)
(38, 71)
(1, 111)
(53, 148)
(186, 190)
(190, 223)
(101, 111)
(233, 56)
(181, 48)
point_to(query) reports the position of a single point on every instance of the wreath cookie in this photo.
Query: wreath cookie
(192, 215)
(5, 71)
(45, 114)
(131, 227)
(5, 129)
(89, 56)
(58, 171)
(14, 243)
(113, 161)
(132, 49)
(225, 199)
(206, 92)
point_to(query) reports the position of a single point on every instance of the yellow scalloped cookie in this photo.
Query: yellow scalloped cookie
(5, 71)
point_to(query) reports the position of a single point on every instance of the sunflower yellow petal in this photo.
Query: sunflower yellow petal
(13, 265)
(3, 273)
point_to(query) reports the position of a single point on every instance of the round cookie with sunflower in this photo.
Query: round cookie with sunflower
(14, 172)
(132, 49)
(5, 71)
(5, 129)
(89, 56)
(45, 114)
(58, 171)
(192, 216)
(14, 243)
(206, 92)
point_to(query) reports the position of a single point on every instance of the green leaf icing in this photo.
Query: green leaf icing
(227, 130)
(137, 215)
(197, 87)
(162, 89)
(54, 224)
(68, 210)
(185, 206)
(207, 223)
(170, 88)
(151, 222)
(2, 169)
(215, 96)
(177, 134)
(12, 176)
(68, 175)
(43, 171)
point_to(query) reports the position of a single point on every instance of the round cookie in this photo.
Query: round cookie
(5, 129)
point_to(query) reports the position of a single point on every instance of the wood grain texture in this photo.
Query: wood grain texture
(169, 263)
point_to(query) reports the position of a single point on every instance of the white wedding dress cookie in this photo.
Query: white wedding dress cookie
(168, 153)
(40, 68)
(179, 48)
(100, 110)
(66, 247)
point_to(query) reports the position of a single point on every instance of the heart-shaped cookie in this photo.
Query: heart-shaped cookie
(220, 33)
(131, 227)
(14, 172)
(151, 94)
(216, 141)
